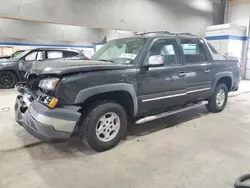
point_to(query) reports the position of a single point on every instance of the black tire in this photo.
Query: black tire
(240, 182)
(88, 125)
(8, 79)
(212, 105)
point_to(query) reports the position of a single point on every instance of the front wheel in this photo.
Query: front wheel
(104, 126)
(219, 99)
(7, 79)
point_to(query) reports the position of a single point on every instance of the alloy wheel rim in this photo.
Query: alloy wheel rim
(220, 98)
(108, 127)
(6, 80)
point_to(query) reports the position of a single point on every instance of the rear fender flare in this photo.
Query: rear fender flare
(220, 75)
(84, 94)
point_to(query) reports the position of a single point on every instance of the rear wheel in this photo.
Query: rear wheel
(218, 101)
(104, 126)
(7, 79)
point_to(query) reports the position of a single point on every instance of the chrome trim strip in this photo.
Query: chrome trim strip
(165, 97)
(58, 124)
(198, 90)
(177, 95)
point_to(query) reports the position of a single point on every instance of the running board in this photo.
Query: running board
(158, 116)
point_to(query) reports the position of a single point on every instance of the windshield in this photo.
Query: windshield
(17, 53)
(20, 55)
(122, 51)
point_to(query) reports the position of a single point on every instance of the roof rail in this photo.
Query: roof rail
(164, 33)
(189, 34)
(154, 32)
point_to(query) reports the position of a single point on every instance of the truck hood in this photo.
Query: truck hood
(62, 67)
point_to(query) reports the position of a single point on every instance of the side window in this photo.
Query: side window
(166, 48)
(70, 54)
(31, 56)
(54, 54)
(193, 50)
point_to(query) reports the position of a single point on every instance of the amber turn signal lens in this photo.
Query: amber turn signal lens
(53, 103)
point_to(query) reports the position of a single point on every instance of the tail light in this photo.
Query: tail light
(85, 58)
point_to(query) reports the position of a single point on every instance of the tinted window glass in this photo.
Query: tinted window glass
(70, 54)
(31, 56)
(190, 49)
(21, 55)
(167, 49)
(54, 54)
(17, 53)
(193, 50)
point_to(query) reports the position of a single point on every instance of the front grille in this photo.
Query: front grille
(32, 81)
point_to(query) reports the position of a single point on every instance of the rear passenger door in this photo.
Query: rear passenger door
(198, 69)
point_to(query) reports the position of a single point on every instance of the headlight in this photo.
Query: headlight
(48, 83)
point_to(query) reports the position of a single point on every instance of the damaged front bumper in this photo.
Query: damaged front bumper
(49, 125)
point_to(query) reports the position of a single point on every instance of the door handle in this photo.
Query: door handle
(207, 70)
(181, 74)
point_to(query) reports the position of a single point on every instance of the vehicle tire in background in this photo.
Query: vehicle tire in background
(104, 126)
(8, 79)
(219, 99)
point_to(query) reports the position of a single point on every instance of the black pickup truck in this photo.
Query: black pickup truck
(141, 78)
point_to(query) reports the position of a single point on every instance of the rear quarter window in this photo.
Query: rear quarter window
(70, 54)
(54, 54)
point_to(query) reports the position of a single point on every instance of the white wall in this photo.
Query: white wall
(240, 14)
(43, 32)
(134, 15)
(113, 34)
(227, 39)
(96, 19)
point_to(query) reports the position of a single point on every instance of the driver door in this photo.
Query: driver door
(162, 87)
(29, 59)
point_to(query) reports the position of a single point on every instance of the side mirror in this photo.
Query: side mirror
(155, 61)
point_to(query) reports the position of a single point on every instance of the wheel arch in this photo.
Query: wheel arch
(225, 78)
(13, 71)
(122, 93)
